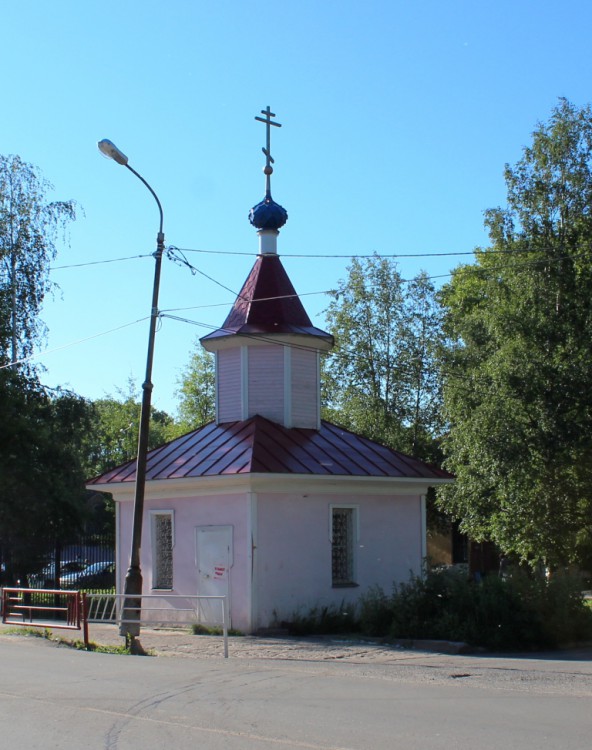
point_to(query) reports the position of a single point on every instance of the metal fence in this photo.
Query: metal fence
(35, 569)
(73, 610)
(42, 608)
(161, 609)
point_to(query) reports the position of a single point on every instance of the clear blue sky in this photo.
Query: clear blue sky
(397, 120)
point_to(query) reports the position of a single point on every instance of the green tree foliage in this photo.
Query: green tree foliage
(29, 226)
(518, 381)
(41, 430)
(113, 438)
(381, 379)
(42, 497)
(197, 391)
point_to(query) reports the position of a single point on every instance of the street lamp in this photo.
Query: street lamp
(132, 602)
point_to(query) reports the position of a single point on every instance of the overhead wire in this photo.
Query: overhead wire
(474, 269)
(182, 260)
(38, 355)
(176, 255)
(252, 336)
(350, 354)
(99, 262)
(252, 301)
(352, 256)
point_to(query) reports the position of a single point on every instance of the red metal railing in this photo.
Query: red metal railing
(46, 608)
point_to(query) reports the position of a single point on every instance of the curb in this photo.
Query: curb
(441, 647)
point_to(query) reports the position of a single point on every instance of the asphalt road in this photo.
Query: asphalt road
(56, 697)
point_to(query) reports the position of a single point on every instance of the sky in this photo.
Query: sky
(397, 120)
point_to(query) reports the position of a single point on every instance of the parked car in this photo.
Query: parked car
(100, 575)
(46, 579)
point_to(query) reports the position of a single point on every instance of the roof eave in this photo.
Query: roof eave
(276, 482)
(228, 340)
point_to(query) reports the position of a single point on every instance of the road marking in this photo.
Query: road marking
(209, 730)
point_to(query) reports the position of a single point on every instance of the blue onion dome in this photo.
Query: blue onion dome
(268, 214)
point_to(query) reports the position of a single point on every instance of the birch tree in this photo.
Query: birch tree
(29, 228)
(381, 378)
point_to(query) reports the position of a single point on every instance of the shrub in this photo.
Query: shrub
(501, 617)
(519, 612)
(376, 612)
(565, 616)
(324, 620)
(197, 628)
(433, 606)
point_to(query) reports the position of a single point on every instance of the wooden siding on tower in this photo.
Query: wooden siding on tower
(228, 400)
(305, 389)
(266, 382)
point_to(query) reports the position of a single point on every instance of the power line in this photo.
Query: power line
(176, 255)
(473, 269)
(98, 262)
(273, 341)
(352, 256)
(252, 301)
(253, 337)
(72, 343)
(339, 352)
(172, 248)
(183, 261)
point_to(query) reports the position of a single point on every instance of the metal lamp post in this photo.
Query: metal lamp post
(132, 603)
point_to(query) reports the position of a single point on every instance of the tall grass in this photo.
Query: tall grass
(521, 612)
(517, 613)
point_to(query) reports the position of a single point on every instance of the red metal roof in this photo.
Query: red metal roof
(259, 446)
(267, 303)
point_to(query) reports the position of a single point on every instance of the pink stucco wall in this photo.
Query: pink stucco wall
(292, 548)
(190, 512)
(293, 570)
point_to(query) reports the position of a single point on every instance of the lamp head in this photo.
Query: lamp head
(110, 150)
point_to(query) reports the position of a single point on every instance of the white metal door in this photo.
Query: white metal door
(214, 558)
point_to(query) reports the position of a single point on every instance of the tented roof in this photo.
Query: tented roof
(267, 303)
(258, 445)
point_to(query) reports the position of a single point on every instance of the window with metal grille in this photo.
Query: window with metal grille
(343, 529)
(162, 550)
